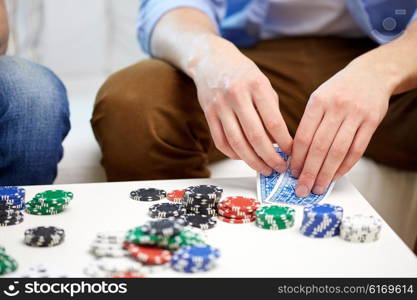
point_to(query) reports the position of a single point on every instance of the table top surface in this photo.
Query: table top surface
(246, 250)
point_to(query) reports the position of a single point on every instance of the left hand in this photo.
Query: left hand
(339, 120)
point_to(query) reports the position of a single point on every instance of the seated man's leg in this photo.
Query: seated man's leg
(149, 125)
(34, 120)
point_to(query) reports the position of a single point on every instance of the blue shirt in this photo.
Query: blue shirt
(241, 21)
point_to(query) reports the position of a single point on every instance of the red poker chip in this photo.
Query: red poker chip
(234, 214)
(149, 255)
(239, 204)
(237, 221)
(128, 275)
(176, 196)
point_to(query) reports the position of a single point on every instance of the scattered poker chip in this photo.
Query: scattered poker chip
(237, 221)
(200, 221)
(192, 259)
(147, 194)
(44, 236)
(94, 270)
(163, 227)
(185, 237)
(166, 210)
(176, 196)
(149, 255)
(128, 275)
(204, 192)
(239, 204)
(7, 264)
(42, 271)
(138, 236)
(360, 229)
(321, 221)
(112, 265)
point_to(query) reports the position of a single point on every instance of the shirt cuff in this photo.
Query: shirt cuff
(151, 11)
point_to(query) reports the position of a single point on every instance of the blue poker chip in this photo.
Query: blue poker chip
(9, 194)
(321, 220)
(197, 258)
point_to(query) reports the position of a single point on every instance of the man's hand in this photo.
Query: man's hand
(338, 123)
(240, 106)
(344, 112)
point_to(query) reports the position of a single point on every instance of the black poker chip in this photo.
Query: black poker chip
(202, 211)
(148, 194)
(200, 221)
(204, 191)
(44, 236)
(11, 222)
(166, 210)
(164, 227)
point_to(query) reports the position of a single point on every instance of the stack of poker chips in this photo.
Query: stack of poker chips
(108, 244)
(147, 194)
(275, 217)
(321, 221)
(7, 263)
(360, 229)
(192, 259)
(237, 210)
(49, 202)
(44, 236)
(12, 202)
(202, 199)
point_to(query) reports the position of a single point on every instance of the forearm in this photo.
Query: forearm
(396, 62)
(4, 28)
(184, 36)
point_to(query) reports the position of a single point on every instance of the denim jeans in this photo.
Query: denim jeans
(34, 120)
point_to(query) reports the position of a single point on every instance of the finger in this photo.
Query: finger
(268, 107)
(337, 153)
(320, 146)
(257, 137)
(303, 137)
(239, 144)
(219, 136)
(358, 147)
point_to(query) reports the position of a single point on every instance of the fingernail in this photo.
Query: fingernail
(318, 190)
(301, 191)
(281, 169)
(295, 173)
(267, 172)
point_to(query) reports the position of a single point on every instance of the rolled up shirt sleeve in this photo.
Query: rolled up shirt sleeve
(150, 11)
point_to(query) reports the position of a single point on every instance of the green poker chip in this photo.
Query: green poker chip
(54, 196)
(34, 208)
(275, 217)
(184, 238)
(137, 236)
(49, 202)
(7, 264)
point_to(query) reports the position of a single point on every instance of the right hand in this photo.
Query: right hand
(241, 107)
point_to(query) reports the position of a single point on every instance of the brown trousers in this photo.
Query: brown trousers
(149, 124)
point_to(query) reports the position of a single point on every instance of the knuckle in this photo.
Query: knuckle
(319, 148)
(254, 137)
(357, 152)
(340, 103)
(274, 125)
(317, 99)
(337, 152)
(301, 141)
(235, 142)
(256, 83)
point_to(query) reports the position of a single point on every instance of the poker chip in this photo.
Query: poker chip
(149, 255)
(94, 270)
(204, 192)
(147, 194)
(237, 221)
(12, 195)
(233, 214)
(42, 271)
(128, 275)
(185, 237)
(34, 208)
(44, 236)
(163, 227)
(109, 244)
(202, 211)
(166, 210)
(118, 265)
(7, 264)
(239, 204)
(321, 221)
(111, 236)
(138, 236)
(4, 206)
(360, 229)
(200, 221)
(192, 259)
(176, 196)
(275, 217)
(54, 197)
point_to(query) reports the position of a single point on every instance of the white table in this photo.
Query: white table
(247, 251)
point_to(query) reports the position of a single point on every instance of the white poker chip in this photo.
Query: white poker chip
(42, 271)
(109, 250)
(115, 236)
(119, 265)
(360, 229)
(93, 270)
